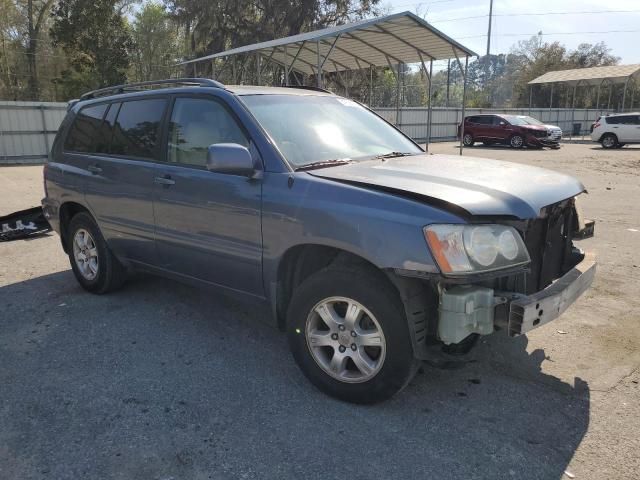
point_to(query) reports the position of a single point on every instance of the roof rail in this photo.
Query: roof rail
(308, 87)
(187, 82)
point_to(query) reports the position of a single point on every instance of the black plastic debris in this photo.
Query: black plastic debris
(23, 224)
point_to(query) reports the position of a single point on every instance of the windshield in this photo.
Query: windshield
(532, 121)
(522, 120)
(309, 129)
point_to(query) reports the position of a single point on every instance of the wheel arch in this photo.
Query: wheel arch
(301, 261)
(66, 212)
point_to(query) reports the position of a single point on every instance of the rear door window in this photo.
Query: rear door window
(85, 129)
(137, 128)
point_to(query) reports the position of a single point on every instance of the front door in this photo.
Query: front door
(208, 225)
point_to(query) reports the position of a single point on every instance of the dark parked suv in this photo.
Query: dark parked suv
(515, 130)
(371, 254)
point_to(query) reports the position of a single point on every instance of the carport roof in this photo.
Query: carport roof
(398, 38)
(590, 76)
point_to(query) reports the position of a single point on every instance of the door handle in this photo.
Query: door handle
(166, 180)
(94, 169)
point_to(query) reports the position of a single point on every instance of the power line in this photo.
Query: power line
(551, 33)
(530, 14)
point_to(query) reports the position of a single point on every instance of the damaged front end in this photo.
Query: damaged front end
(556, 274)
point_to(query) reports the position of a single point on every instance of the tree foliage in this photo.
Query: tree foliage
(95, 36)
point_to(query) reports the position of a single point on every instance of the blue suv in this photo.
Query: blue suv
(371, 254)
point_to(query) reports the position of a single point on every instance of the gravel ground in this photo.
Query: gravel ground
(163, 381)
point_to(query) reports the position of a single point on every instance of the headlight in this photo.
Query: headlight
(460, 249)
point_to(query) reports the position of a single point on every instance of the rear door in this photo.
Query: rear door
(120, 176)
(208, 225)
(628, 128)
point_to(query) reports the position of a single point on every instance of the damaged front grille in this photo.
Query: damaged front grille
(549, 241)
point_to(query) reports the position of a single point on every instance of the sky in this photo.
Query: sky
(519, 20)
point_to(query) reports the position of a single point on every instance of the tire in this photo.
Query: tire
(94, 265)
(609, 140)
(516, 141)
(467, 140)
(390, 361)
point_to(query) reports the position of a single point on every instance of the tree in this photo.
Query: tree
(95, 36)
(36, 13)
(155, 42)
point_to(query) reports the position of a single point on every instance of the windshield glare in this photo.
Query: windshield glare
(523, 120)
(311, 128)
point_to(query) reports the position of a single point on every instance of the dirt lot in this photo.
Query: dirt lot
(162, 381)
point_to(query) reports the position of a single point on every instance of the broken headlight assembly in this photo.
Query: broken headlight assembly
(469, 249)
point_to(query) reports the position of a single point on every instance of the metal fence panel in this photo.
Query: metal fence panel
(27, 130)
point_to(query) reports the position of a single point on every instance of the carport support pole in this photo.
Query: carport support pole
(371, 86)
(430, 102)
(624, 94)
(319, 75)
(573, 108)
(286, 67)
(598, 97)
(551, 98)
(464, 99)
(530, 98)
(609, 100)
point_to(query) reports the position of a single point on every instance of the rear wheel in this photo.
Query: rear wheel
(468, 140)
(93, 264)
(348, 333)
(516, 141)
(609, 140)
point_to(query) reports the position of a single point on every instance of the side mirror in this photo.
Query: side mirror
(230, 158)
(502, 124)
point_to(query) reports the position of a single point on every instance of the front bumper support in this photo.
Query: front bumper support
(527, 312)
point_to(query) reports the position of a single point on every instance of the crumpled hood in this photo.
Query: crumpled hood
(477, 185)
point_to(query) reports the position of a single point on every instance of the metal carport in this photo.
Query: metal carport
(592, 76)
(397, 39)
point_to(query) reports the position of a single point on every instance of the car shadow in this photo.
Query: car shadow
(162, 380)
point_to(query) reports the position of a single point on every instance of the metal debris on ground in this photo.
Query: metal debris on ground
(23, 224)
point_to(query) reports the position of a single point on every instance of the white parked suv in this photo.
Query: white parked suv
(615, 131)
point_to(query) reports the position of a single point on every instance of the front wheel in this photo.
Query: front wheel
(516, 141)
(468, 140)
(348, 333)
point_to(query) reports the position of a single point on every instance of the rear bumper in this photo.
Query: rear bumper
(527, 312)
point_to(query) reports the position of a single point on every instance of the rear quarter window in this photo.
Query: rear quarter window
(85, 129)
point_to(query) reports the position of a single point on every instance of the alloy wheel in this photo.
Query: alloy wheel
(345, 339)
(85, 254)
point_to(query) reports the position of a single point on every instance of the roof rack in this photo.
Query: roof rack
(187, 82)
(308, 87)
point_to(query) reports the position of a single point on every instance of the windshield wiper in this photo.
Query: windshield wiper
(324, 163)
(393, 155)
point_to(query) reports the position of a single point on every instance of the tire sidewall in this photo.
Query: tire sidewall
(399, 364)
(105, 268)
(467, 140)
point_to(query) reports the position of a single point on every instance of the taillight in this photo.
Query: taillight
(596, 125)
